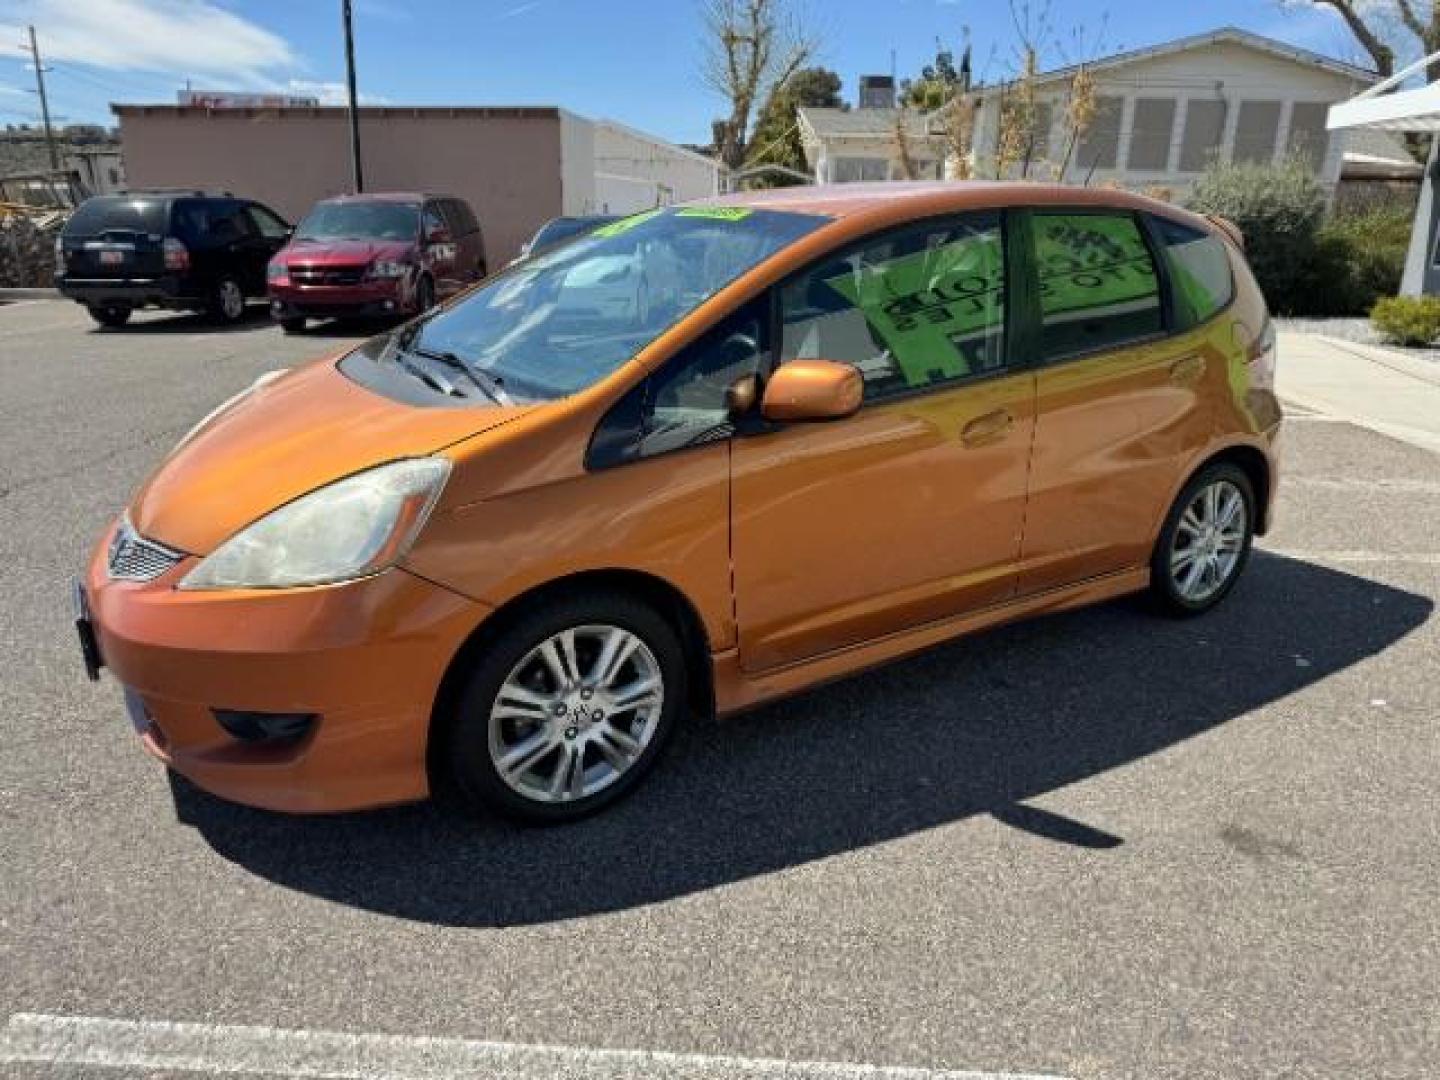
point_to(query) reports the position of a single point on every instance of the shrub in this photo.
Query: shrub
(1280, 209)
(1408, 320)
(1360, 259)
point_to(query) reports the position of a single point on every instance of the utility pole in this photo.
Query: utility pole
(44, 104)
(358, 175)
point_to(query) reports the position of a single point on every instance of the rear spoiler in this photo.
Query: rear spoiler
(1229, 228)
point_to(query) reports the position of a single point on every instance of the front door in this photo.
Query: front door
(910, 511)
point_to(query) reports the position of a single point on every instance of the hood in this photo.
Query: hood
(281, 440)
(343, 252)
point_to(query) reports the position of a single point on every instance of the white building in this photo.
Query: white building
(1164, 114)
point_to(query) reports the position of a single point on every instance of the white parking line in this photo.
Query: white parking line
(222, 1049)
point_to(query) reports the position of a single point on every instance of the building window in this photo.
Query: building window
(1204, 133)
(1100, 148)
(1255, 132)
(1151, 134)
(858, 170)
(1309, 138)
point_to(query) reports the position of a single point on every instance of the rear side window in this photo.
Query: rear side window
(127, 213)
(1098, 286)
(1199, 272)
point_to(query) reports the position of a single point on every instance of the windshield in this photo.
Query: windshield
(562, 320)
(360, 221)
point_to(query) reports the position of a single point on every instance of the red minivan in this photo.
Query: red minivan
(359, 256)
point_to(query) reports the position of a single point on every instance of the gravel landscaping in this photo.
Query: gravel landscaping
(1359, 331)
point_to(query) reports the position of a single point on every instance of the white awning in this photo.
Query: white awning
(1405, 110)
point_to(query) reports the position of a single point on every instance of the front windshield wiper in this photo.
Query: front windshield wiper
(491, 386)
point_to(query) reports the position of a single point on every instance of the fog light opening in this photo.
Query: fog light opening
(259, 727)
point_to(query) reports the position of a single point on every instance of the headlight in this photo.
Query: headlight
(387, 268)
(351, 528)
(276, 271)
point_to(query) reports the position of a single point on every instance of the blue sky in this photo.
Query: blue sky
(632, 60)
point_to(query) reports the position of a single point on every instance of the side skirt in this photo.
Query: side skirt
(737, 690)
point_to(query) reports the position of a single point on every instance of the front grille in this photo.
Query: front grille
(134, 558)
(327, 275)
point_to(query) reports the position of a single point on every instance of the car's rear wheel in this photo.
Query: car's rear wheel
(227, 301)
(1206, 541)
(111, 315)
(293, 324)
(567, 710)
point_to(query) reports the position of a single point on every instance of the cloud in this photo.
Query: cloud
(185, 38)
(329, 93)
(520, 9)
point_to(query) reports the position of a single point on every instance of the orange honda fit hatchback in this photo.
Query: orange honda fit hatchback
(699, 458)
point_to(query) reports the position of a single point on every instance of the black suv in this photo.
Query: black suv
(188, 251)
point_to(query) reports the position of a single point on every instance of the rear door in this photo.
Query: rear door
(1121, 405)
(115, 237)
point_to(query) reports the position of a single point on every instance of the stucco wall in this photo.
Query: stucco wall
(506, 162)
(641, 171)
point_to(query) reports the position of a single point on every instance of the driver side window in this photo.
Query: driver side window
(685, 403)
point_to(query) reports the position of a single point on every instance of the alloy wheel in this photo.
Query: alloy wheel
(1209, 541)
(576, 713)
(232, 300)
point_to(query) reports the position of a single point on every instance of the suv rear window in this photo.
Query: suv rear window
(124, 212)
(1199, 272)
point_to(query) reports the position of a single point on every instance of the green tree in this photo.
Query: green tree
(777, 133)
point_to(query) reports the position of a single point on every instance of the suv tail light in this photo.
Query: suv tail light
(177, 255)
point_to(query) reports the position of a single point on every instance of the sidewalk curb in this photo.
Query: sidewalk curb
(29, 294)
(1425, 371)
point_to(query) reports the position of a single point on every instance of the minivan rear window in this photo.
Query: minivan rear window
(122, 212)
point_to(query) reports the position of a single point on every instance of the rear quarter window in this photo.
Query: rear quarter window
(1200, 276)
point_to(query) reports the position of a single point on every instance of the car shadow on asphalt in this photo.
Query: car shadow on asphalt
(973, 727)
(256, 317)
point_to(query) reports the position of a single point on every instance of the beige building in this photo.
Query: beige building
(518, 167)
(1163, 115)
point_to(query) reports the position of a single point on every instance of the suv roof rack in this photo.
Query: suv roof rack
(175, 191)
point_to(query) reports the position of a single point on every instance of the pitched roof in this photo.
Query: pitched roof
(1231, 35)
(858, 123)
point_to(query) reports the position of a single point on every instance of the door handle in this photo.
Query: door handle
(1187, 370)
(988, 428)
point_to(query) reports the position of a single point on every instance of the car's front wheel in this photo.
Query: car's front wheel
(1205, 542)
(566, 710)
(111, 315)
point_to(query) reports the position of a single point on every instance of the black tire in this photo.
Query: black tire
(463, 767)
(111, 315)
(293, 324)
(222, 308)
(1165, 588)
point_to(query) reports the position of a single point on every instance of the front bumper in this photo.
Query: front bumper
(365, 657)
(387, 296)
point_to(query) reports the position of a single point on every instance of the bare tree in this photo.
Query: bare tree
(1387, 28)
(751, 47)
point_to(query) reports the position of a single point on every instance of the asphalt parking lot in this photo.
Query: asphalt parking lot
(1096, 845)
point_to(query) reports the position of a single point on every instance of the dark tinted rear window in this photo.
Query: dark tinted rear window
(128, 212)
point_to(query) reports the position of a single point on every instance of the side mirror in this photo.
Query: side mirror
(812, 390)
